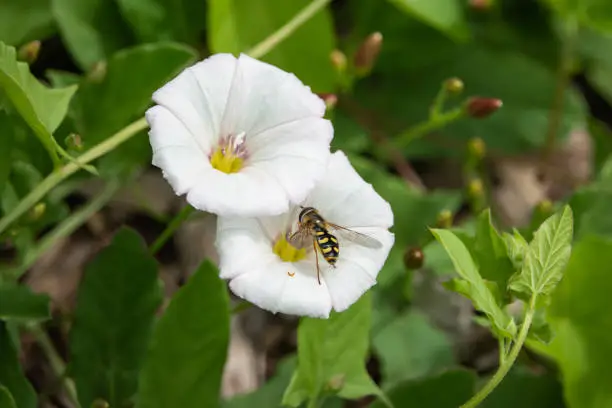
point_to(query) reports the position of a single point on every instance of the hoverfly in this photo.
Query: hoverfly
(312, 225)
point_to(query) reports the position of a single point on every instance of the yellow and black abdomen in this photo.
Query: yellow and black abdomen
(328, 244)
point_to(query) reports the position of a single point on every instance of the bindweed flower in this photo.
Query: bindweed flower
(266, 268)
(239, 136)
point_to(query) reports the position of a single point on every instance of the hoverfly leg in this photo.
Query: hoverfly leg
(314, 246)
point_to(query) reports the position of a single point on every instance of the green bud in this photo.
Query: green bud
(445, 219)
(98, 72)
(454, 86)
(38, 211)
(476, 148)
(29, 52)
(74, 142)
(338, 60)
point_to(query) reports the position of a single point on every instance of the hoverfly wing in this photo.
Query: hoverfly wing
(356, 237)
(300, 239)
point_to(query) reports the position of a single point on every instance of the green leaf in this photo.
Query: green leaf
(25, 20)
(548, 254)
(42, 108)
(402, 87)
(517, 247)
(113, 319)
(20, 303)
(446, 390)
(409, 348)
(269, 394)
(187, 355)
(165, 20)
(237, 25)
(491, 253)
(444, 15)
(331, 356)
(132, 76)
(11, 374)
(473, 285)
(91, 29)
(6, 399)
(534, 391)
(580, 317)
(8, 141)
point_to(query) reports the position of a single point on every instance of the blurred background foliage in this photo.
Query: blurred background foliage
(549, 61)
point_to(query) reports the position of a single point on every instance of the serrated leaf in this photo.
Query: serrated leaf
(91, 29)
(491, 253)
(165, 20)
(516, 246)
(580, 316)
(6, 399)
(446, 16)
(236, 25)
(11, 374)
(548, 254)
(114, 315)
(42, 108)
(185, 362)
(18, 302)
(473, 285)
(331, 356)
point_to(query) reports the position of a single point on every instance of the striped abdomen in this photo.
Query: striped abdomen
(328, 244)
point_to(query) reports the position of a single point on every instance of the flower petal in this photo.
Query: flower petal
(284, 287)
(248, 193)
(198, 96)
(242, 243)
(263, 96)
(344, 198)
(357, 268)
(295, 153)
(175, 151)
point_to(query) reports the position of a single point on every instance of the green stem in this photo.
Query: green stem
(509, 360)
(243, 305)
(67, 227)
(424, 128)
(67, 170)
(170, 229)
(57, 364)
(313, 402)
(286, 30)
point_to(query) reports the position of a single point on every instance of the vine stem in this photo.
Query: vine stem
(170, 229)
(286, 30)
(64, 172)
(508, 361)
(436, 122)
(57, 364)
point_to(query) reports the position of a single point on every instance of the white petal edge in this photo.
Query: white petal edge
(296, 154)
(198, 96)
(175, 151)
(346, 199)
(272, 287)
(357, 268)
(263, 96)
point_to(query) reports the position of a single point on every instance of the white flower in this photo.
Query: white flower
(239, 136)
(250, 249)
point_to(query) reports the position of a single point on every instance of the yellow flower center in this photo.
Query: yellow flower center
(288, 252)
(226, 161)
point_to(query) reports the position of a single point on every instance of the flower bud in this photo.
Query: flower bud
(29, 52)
(336, 382)
(367, 54)
(100, 403)
(476, 148)
(480, 5)
(38, 211)
(478, 107)
(414, 258)
(98, 72)
(74, 142)
(330, 100)
(445, 219)
(475, 188)
(338, 60)
(453, 86)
